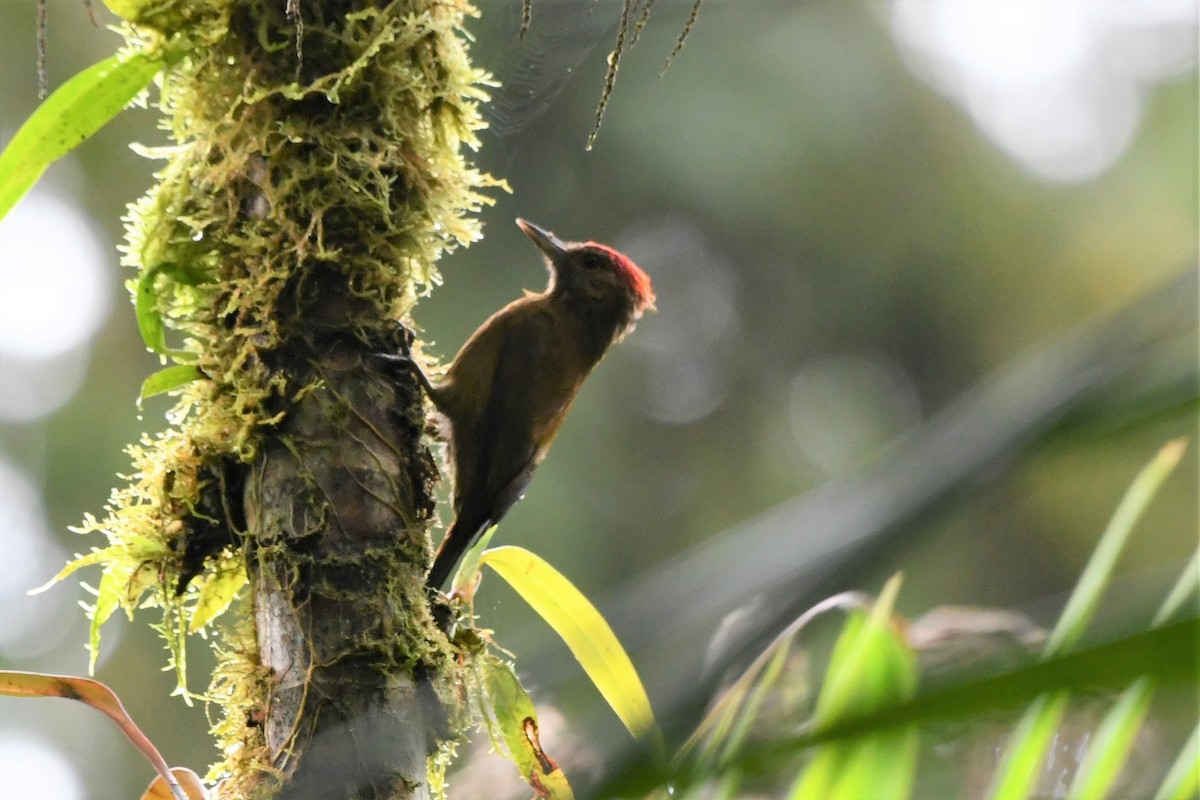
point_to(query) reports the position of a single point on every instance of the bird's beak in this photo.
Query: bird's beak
(546, 241)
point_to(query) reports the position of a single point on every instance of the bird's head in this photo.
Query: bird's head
(593, 274)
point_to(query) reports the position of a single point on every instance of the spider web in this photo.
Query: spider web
(533, 69)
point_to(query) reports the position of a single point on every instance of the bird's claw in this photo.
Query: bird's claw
(405, 358)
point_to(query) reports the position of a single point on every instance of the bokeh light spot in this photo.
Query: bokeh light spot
(1060, 86)
(29, 626)
(845, 409)
(33, 768)
(54, 292)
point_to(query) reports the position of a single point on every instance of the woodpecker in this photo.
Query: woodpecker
(504, 397)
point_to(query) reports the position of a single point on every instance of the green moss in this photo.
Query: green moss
(305, 153)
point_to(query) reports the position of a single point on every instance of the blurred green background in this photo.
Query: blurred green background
(852, 212)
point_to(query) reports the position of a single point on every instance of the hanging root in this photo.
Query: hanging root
(527, 17)
(610, 77)
(635, 14)
(687, 28)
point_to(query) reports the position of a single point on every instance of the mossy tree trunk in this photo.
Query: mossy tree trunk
(314, 180)
(336, 506)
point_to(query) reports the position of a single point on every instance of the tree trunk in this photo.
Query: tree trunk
(336, 507)
(316, 179)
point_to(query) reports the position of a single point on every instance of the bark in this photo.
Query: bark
(336, 505)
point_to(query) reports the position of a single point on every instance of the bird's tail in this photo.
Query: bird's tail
(464, 532)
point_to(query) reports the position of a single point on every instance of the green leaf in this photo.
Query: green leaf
(1021, 766)
(872, 667)
(881, 766)
(468, 569)
(1111, 666)
(1018, 775)
(97, 556)
(167, 379)
(149, 318)
(1189, 581)
(1086, 595)
(1183, 778)
(514, 715)
(730, 710)
(1112, 742)
(748, 712)
(218, 590)
(108, 597)
(75, 111)
(590, 639)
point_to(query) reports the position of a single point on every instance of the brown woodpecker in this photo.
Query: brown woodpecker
(505, 395)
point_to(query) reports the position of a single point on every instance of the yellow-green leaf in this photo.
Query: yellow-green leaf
(97, 556)
(585, 632)
(1112, 742)
(876, 765)
(167, 379)
(1188, 583)
(871, 666)
(1183, 778)
(1085, 598)
(514, 715)
(149, 319)
(1028, 744)
(74, 112)
(714, 731)
(108, 597)
(464, 577)
(219, 589)
(748, 712)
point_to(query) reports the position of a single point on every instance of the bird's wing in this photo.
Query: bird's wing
(509, 426)
(493, 449)
(536, 374)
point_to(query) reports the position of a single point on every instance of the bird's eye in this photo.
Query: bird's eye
(592, 260)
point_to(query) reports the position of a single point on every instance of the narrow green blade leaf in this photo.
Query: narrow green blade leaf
(817, 780)
(75, 111)
(1183, 779)
(1111, 745)
(1189, 582)
(871, 667)
(468, 570)
(748, 713)
(1086, 596)
(715, 728)
(585, 632)
(167, 379)
(108, 598)
(1028, 744)
(883, 765)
